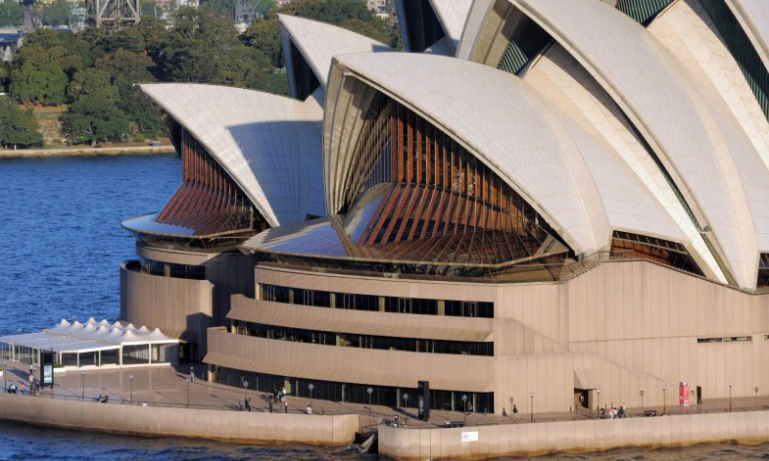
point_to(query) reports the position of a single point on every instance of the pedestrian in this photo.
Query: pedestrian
(285, 404)
(248, 403)
(309, 409)
(515, 410)
(269, 404)
(622, 413)
(23, 388)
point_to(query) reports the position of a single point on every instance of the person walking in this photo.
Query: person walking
(285, 404)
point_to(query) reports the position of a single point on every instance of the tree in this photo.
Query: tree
(92, 120)
(92, 82)
(127, 69)
(18, 127)
(11, 14)
(204, 47)
(264, 35)
(57, 14)
(46, 84)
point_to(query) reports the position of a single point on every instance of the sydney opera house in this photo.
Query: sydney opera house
(558, 203)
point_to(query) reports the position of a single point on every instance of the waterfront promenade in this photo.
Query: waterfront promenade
(159, 401)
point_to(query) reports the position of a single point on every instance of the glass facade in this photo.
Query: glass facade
(208, 202)
(450, 400)
(179, 271)
(326, 338)
(627, 245)
(281, 294)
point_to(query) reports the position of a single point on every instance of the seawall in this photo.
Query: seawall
(151, 421)
(85, 151)
(583, 436)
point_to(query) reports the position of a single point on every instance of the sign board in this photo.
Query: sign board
(48, 375)
(470, 436)
(47, 360)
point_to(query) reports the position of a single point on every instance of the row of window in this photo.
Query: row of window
(481, 402)
(730, 339)
(179, 271)
(328, 338)
(360, 302)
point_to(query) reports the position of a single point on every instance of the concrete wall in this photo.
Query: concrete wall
(179, 307)
(349, 364)
(648, 318)
(573, 436)
(221, 425)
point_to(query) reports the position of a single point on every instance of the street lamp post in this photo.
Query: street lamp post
(512, 402)
(369, 391)
(5, 375)
(311, 387)
(82, 385)
(245, 390)
(532, 406)
(641, 393)
(188, 392)
(464, 405)
(405, 398)
(730, 397)
(664, 400)
(755, 390)
(131, 384)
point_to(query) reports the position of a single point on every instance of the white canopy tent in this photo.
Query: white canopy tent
(93, 344)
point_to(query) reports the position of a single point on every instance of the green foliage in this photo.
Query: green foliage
(92, 120)
(92, 82)
(57, 14)
(150, 9)
(18, 127)
(330, 11)
(204, 47)
(45, 84)
(11, 14)
(276, 83)
(263, 34)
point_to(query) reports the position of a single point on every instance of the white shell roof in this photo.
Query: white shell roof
(574, 180)
(320, 42)
(753, 15)
(662, 101)
(270, 145)
(452, 14)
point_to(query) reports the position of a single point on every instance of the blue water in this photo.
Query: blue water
(60, 247)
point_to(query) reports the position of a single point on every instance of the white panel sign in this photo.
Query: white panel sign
(470, 436)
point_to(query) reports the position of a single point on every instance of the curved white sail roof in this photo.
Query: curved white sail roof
(268, 144)
(573, 179)
(320, 42)
(655, 92)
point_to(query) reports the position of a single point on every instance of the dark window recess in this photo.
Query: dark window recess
(179, 271)
(728, 339)
(326, 338)
(361, 302)
(450, 400)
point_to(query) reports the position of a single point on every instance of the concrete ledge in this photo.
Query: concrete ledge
(219, 425)
(86, 151)
(585, 436)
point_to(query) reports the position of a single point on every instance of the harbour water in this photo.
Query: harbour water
(60, 247)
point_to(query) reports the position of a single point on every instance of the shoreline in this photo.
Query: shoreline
(86, 151)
